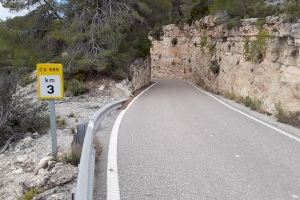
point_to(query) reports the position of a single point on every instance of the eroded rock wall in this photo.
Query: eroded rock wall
(217, 58)
(140, 73)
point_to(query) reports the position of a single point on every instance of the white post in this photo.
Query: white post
(53, 127)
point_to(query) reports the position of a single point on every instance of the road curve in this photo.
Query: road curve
(176, 142)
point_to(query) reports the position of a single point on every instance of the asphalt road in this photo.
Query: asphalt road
(176, 142)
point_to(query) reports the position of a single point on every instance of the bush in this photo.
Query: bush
(18, 113)
(119, 74)
(143, 46)
(76, 87)
(292, 10)
(234, 22)
(253, 104)
(255, 51)
(29, 194)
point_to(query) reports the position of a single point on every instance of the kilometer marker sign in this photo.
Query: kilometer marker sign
(50, 81)
(50, 84)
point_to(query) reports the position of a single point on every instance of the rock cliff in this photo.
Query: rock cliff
(255, 58)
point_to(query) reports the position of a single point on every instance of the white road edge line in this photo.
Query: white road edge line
(249, 116)
(113, 190)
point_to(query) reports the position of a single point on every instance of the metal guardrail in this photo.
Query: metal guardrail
(85, 182)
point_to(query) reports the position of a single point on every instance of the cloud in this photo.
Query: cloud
(5, 13)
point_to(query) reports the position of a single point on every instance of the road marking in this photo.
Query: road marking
(113, 190)
(237, 156)
(249, 116)
(295, 196)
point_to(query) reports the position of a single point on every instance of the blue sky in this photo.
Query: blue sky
(4, 13)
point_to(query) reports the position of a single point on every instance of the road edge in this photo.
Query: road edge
(290, 135)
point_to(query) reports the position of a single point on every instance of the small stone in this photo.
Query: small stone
(36, 135)
(59, 164)
(51, 164)
(18, 171)
(41, 171)
(21, 158)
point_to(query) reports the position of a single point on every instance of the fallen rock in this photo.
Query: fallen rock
(43, 164)
(51, 164)
(18, 171)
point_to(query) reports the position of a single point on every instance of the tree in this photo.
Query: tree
(176, 9)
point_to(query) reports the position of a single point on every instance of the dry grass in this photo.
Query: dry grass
(285, 117)
(253, 103)
(72, 157)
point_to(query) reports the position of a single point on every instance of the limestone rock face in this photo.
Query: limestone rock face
(140, 73)
(217, 58)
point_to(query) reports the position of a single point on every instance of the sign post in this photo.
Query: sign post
(50, 87)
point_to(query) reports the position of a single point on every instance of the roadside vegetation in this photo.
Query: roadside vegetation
(288, 118)
(253, 103)
(255, 51)
(18, 114)
(29, 194)
(256, 105)
(73, 156)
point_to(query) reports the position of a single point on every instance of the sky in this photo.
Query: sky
(4, 13)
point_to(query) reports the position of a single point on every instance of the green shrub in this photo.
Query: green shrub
(119, 74)
(253, 104)
(292, 10)
(234, 22)
(255, 51)
(143, 46)
(75, 87)
(260, 23)
(199, 10)
(29, 194)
